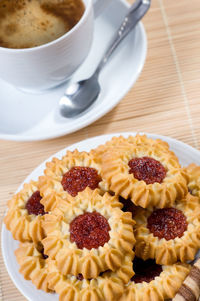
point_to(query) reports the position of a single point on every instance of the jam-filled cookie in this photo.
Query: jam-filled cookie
(193, 172)
(72, 174)
(169, 234)
(33, 264)
(25, 214)
(146, 173)
(107, 286)
(89, 236)
(122, 142)
(154, 282)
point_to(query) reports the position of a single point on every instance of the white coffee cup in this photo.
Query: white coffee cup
(49, 65)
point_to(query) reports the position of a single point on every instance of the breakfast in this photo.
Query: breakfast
(114, 214)
(120, 222)
(31, 23)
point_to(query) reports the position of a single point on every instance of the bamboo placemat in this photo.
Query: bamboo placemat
(165, 100)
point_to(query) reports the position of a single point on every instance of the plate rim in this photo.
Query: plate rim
(71, 147)
(105, 110)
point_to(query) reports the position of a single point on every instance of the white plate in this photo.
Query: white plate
(28, 117)
(185, 153)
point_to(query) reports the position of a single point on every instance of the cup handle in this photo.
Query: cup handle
(99, 6)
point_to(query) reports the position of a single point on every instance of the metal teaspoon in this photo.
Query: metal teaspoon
(80, 95)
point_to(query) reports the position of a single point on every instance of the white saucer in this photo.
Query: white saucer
(28, 117)
(185, 153)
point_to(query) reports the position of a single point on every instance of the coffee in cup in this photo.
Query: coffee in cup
(31, 23)
(40, 68)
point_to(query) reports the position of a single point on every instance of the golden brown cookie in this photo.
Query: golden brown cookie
(68, 176)
(193, 172)
(25, 214)
(148, 173)
(33, 265)
(89, 236)
(169, 234)
(121, 142)
(107, 286)
(154, 282)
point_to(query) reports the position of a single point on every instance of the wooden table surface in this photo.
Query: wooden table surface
(165, 100)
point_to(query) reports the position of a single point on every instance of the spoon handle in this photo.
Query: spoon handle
(134, 15)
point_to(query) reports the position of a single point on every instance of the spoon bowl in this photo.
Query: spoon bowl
(79, 96)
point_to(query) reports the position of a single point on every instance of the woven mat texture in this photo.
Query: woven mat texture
(165, 100)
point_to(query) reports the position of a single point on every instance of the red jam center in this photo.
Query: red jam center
(167, 223)
(147, 169)
(145, 270)
(89, 230)
(78, 178)
(33, 204)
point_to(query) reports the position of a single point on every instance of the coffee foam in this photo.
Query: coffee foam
(30, 23)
